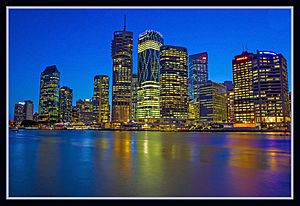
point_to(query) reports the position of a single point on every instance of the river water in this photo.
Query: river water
(89, 163)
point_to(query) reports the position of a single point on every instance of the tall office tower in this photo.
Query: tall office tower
(242, 67)
(173, 83)
(270, 89)
(49, 94)
(134, 87)
(213, 102)
(121, 50)
(198, 73)
(65, 104)
(86, 112)
(261, 89)
(19, 112)
(149, 44)
(28, 110)
(101, 109)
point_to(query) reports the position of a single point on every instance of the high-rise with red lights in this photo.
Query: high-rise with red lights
(261, 89)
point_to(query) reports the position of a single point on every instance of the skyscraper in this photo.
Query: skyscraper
(28, 110)
(101, 109)
(270, 89)
(213, 107)
(198, 73)
(149, 44)
(65, 104)
(49, 95)
(261, 89)
(173, 83)
(121, 50)
(243, 87)
(19, 115)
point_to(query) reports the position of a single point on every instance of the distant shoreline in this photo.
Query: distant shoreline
(204, 130)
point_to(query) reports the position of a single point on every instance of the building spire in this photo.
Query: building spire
(124, 22)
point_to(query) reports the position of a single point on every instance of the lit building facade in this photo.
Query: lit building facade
(134, 87)
(213, 101)
(101, 101)
(149, 44)
(148, 109)
(194, 112)
(65, 104)
(86, 112)
(243, 87)
(49, 95)
(261, 89)
(19, 114)
(121, 50)
(270, 89)
(173, 83)
(28, 110)
(230, 106)
(198, 73)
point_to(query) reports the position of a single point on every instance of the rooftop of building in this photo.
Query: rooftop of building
(51, 69)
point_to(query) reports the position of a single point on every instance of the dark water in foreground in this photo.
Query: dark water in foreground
(143, 164)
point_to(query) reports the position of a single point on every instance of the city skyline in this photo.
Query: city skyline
(83, 85)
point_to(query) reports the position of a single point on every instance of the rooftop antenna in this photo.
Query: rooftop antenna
(124, 22)
(246, 47)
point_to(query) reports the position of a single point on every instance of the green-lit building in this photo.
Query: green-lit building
(149, 44)
(49, 95)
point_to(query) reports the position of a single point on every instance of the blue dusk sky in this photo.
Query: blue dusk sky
(78, 42)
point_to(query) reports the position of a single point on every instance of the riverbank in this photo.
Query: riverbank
(157, 130)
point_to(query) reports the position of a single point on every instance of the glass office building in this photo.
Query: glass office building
(173, 83)
(65, 104)
(149, 44)
(49, 95)
(213, 107)
(261, 89)
(198, 73)
(121, 51)
(101, 109)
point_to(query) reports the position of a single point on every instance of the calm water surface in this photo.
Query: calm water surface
(142, 164)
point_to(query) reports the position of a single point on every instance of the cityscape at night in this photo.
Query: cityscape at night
(127, 80)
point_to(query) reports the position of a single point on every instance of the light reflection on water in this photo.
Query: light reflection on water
(106, 163)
